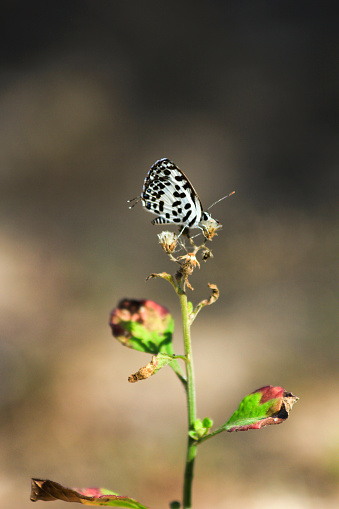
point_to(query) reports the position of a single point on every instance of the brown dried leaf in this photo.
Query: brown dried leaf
(46, 490)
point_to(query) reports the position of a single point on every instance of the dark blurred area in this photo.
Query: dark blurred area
(240, 95)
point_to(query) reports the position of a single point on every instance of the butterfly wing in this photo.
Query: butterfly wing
(168, 192)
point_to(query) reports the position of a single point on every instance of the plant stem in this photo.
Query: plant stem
(191, 404)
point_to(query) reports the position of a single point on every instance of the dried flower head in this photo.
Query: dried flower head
(210, 227)
(190, 261)
(168, 241)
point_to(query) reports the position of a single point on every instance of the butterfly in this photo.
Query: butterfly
(168, 192)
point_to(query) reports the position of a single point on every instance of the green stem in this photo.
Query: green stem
(191, 404)
(213, 433)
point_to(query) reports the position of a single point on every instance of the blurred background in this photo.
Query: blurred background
(240, 95)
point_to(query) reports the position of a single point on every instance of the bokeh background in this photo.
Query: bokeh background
(241, 95)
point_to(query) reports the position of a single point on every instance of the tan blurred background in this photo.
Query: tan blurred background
(241, 95)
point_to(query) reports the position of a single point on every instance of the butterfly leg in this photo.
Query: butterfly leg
(181, 231)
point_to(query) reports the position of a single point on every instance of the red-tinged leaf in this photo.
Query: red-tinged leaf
(146, 326)
(143, 325)
(43, 489)
(263, 407)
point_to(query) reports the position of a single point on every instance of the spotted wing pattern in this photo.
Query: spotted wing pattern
(169, 193)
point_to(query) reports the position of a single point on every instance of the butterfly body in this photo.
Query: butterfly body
(168, 193)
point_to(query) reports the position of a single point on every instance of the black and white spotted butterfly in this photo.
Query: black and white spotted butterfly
(168, 192)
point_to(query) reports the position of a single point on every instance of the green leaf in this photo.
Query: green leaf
(43, 489)
(263, 407)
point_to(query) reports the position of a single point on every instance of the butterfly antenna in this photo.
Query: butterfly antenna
(136, 199)
(220, 200)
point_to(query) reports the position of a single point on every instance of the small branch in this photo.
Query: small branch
(210, 435)
(207, 302)
(166, 276)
